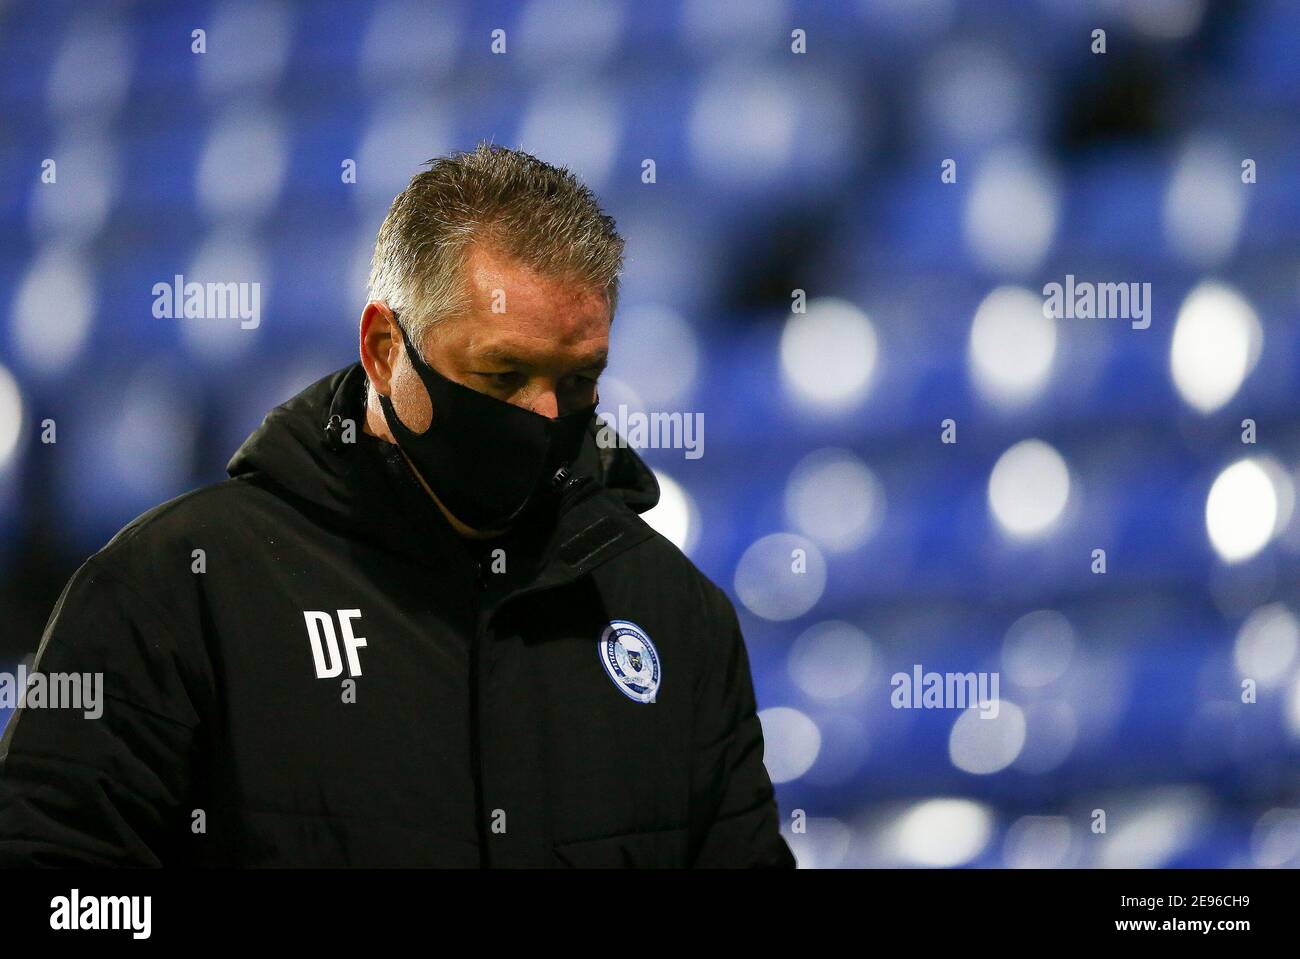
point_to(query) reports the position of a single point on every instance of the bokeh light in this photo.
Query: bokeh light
(781, 576)
(1241, 511)
(1217, 340)
(835, 499)
(828, 355)
(1028, 489)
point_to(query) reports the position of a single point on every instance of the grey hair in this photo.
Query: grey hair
(522, 207)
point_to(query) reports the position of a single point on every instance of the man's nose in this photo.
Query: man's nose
(546, 403)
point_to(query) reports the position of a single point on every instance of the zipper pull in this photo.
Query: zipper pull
(334, 433)
(563, 482)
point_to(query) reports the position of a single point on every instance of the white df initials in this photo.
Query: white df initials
(325, 642)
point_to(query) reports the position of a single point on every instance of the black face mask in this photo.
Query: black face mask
(486, 460)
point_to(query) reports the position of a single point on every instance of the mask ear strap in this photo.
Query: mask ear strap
(407, 340)
(390, 412)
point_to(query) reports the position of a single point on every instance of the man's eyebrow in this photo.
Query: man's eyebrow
(504, 354)
(499, 354)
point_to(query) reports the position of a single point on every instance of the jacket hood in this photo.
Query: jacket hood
(298, 448)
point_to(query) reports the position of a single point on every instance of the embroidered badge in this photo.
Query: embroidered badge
(631, 660)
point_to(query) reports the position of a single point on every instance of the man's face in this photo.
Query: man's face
(536, 341)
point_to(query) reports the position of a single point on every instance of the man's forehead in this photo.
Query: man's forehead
(519, 315)
(539, 291)
(489, 271)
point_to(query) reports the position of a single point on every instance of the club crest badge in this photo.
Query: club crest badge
(631, 660)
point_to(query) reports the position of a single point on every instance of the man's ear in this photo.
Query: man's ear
(379, 345)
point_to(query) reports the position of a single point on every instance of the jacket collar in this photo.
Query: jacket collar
(314, 451)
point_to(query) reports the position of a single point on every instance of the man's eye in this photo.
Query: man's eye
(502, 380)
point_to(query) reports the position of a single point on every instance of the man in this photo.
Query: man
(422, 623)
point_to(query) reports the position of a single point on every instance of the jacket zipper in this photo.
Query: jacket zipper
(567, 487)
(475, 749)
